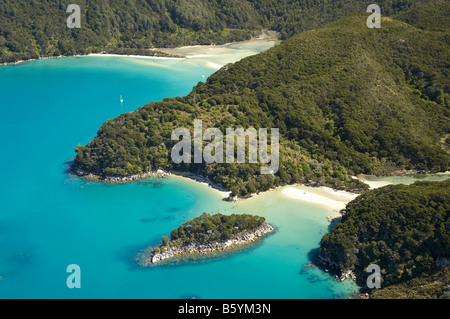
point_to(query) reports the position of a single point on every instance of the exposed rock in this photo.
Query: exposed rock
(442, 262)
(119, 179)
(327, 263)
(346, 275)
(209, 248)
(232, 198)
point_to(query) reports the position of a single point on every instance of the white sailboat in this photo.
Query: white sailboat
(121, 99)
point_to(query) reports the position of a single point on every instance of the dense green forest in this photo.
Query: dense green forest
(347, 100)
(207, 229)
(427, 286)
(37, 28)
(403, 229)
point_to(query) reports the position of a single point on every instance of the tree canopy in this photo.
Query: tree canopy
(37, 28)
(347, 100)
(207, 229)
(403, 229)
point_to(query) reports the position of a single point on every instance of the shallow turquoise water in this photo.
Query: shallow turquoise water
(50, 219)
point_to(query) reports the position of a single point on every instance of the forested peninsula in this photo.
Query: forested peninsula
(347, 100)
(36, 29)
(405, 230)
(208, 234)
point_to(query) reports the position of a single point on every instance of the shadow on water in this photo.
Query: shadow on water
(174, 209)
(133, 256)
(333, 223)
(15, 258)
(153, 181)
(156, 219)
(315, 273)
(313, 254)
(311, 264)
(68, 166)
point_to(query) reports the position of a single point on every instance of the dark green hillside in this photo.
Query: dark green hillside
(425, 15)
(29, 29)
(427, 286)
(37, 28)
(403, 229)
(347, 100)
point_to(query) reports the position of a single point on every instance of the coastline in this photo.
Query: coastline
(266, 35)
(289, 191)
(40, 58)
(158, 173)
(94, 55)
(375, 181)
(333, 200)
(135, 56)
(194, 249)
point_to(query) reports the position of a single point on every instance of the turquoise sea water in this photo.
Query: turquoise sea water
(50, 219)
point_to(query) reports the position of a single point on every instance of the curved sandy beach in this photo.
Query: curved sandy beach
(324, 196)
(135, 56)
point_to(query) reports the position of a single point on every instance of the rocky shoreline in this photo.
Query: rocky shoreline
(159, 173)
(118, 179)
(208, 248)
(330, 266)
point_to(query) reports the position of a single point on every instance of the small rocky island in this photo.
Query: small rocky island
(209, 233)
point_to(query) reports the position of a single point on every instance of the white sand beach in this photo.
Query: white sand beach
(331, 199)
(199, 179)
(369, 180)
(216, 56)
(135, 56)
(214, 66)
(211, 56)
